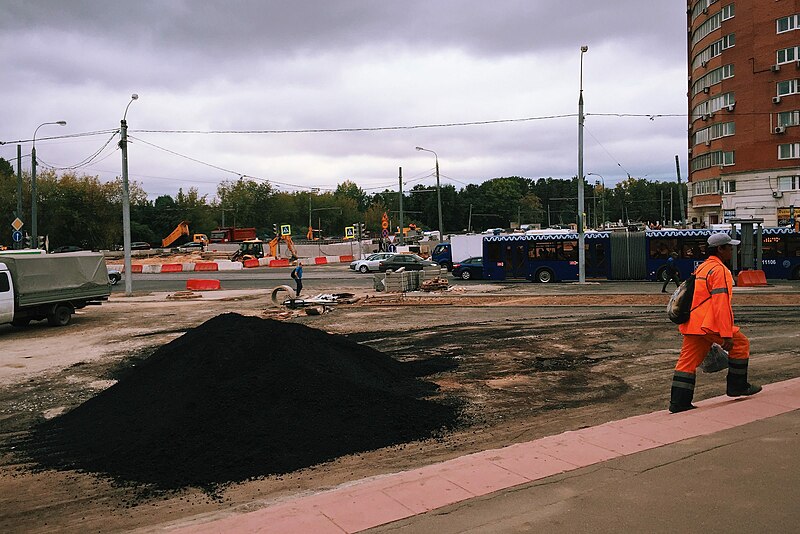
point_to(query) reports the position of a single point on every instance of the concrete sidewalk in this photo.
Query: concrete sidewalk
(732, 465)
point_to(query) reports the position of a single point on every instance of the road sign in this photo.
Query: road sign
(385, 233)
(17, 224)
(16, 235)
(349, 232)
(384, 224)
(286, 229)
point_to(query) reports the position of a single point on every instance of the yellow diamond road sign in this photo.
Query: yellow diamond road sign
(17, 224)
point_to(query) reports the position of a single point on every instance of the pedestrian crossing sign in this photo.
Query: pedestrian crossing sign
(349, 232)
(286, 229)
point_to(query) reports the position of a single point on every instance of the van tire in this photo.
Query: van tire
(465, 274)
(545, 276)
(60, 316)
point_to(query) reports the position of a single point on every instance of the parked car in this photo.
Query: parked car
(411, 262)
(114, 276)
(191, 247)
(471, 268)
(140, 245)
(370, 263)
(66, 248)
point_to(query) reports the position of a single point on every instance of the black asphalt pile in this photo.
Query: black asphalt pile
(242, 397)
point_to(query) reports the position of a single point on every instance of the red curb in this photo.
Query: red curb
(206, 266)
(322, 260)
(345, 259)
(279, 263)
(250, 263)
(136, 268)
(171, 268)
(196, 284)
(751, 278)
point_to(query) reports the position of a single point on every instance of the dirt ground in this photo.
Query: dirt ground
(528, 366)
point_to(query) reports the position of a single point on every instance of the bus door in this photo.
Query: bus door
(516, 259)
(596, 259)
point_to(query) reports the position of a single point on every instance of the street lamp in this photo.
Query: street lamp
(310, 194)
(34, 229)
(438, 191)
(602, 199)
(581, 236)
(126, 199)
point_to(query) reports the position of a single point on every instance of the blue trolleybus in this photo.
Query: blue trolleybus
(550, 257)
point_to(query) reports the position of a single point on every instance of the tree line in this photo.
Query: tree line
(82, 210)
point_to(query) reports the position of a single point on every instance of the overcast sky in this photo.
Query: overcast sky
(263, 65)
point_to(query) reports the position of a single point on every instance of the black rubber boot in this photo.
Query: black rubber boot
(682, 392)
(738, 386)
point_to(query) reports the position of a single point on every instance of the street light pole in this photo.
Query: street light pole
(581, 232)
(438, 191)
(34, 229)
(602, 199)
(126, 199)
(311, 192)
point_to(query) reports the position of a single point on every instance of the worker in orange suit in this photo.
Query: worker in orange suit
(711, 321)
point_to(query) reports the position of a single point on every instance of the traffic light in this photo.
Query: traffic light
(40, 244)
(27, 241)
(275, 229)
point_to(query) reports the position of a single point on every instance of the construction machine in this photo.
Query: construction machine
(181, 229)
(254, 248)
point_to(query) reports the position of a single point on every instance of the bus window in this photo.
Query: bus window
(568, 250)
(493, 252)
(660, 249)
(545, 251)
(773, 247)
(793, 246)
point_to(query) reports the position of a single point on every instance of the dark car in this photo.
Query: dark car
(66, 248)
(140, 245)
(469, 269)
(114, 276)
(411, 262)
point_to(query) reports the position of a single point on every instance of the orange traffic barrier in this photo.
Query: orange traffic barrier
(199, 284)
(171, 268)
(136, 268)
(322, 260)
(751, 278)
(279, 263)
(345, 259)
(251, 263)
(206, 266)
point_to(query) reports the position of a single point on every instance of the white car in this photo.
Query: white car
(371, 262)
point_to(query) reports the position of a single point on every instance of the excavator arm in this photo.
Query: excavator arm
(290, 245)
(181, 229)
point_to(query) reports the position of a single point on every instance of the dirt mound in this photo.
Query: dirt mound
(241, 397)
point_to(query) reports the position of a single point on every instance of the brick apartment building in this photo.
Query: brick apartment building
(744, 110)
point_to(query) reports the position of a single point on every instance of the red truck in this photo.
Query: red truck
(229, 234)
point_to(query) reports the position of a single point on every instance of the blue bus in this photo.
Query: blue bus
(550, 257)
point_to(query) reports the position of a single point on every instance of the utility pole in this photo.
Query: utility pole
(469, 221)
(400, 189)
(19, 189)
(126, 199)
(680, 193)
(581, 236)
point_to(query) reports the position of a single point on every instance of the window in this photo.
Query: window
(4, 285)
(787, 55)
(727, 215)
(711, 159)
(715, 131)
(706, 187)
(787, 24)
(712, 24)
(713, 77)
(700, 7)
(789, 151)
(728, 186)
(788, 183)
(713, 105)
(789, 118)
(713, 50)
(728, 12)
(788, 87)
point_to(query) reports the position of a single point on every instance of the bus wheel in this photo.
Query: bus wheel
(545, 276)
(661, 274)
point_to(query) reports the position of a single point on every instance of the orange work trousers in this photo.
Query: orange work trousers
(696, 347)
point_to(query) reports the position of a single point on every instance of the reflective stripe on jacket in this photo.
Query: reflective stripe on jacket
(711, 306)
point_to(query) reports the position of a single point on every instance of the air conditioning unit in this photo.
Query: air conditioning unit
(797, 64)
(780, 129)
(706, 90)
(731, 106)
(705, 10)
(708, 143)
(775, 68)
(777, 194)
(704, 117)
(776, 100)
(703, 64)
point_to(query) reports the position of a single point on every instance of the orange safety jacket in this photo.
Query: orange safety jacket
(712, 311)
